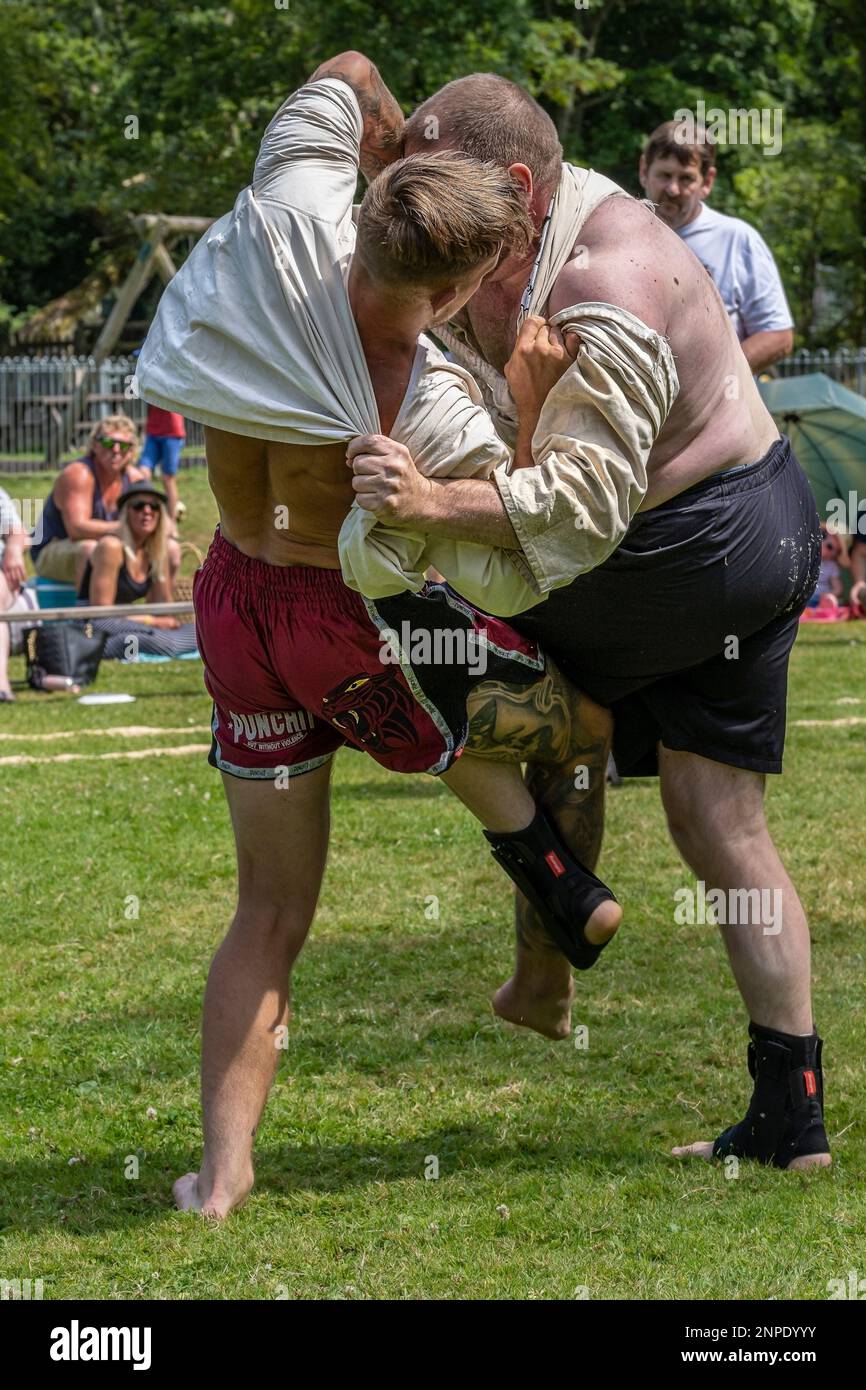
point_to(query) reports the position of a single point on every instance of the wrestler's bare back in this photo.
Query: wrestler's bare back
(285, 503)
(627, 256)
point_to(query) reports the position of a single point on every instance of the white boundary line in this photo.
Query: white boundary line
(828, 723)
(114, 731)
(17, 759)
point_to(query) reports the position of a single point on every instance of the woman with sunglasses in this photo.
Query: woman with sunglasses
(83, 505)
(131, 565)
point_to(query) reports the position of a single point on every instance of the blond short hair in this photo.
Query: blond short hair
(113, 422)
(429, 219)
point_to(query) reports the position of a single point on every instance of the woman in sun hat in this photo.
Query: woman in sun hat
(131, 566)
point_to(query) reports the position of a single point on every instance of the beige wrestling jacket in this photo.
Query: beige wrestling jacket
(591, 447)
(599, 423)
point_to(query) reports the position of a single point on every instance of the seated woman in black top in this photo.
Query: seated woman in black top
(134, 565)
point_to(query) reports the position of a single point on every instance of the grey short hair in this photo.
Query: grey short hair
(493, 120)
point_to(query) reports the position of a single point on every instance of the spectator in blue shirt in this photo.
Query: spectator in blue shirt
(679, 177)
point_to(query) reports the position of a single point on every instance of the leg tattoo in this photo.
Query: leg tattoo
(564, 737)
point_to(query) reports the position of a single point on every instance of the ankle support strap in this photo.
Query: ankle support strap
(563, 892)
(785, 1115)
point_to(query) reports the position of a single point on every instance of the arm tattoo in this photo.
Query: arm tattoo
(382, 138)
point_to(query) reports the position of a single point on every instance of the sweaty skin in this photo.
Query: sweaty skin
(718, 419)
(627, 257)
(253, 479)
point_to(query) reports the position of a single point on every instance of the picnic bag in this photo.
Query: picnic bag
(66, 649)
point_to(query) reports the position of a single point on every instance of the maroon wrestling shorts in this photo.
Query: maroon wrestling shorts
(298, 665)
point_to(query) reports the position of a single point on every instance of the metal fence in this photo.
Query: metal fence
(845, 365)
(36, 395)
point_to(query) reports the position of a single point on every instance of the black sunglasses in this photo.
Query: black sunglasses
(144, 506)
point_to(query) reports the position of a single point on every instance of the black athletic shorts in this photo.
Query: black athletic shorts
(685, 631)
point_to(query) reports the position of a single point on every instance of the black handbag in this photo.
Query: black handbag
(66, 649)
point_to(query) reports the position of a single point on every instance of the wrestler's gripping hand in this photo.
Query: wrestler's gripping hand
(386, 481)
(541, 356)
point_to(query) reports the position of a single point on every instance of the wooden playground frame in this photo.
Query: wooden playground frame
(158, 232)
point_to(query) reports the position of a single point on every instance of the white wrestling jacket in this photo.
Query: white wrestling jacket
(255, 335)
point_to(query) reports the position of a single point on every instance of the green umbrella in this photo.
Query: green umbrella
(826, 424)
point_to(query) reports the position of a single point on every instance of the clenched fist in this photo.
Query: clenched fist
(386, 481)
(541, 356)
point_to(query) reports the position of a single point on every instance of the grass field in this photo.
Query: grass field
(554, 1175)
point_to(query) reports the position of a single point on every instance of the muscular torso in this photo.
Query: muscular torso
(630, 258)
(280, 503)
(285, 503)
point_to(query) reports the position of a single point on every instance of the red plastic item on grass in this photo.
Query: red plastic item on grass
(826, 615)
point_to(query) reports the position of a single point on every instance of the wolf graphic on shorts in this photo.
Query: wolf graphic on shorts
(375, 711)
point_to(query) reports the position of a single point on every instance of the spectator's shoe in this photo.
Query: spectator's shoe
(6, 697)
(180, 511)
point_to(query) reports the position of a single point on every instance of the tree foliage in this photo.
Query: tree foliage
(111, 107)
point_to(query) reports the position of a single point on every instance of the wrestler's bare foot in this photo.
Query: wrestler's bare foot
(704, 1149)
(540, 993)
(547, 1011)
(216, 1204)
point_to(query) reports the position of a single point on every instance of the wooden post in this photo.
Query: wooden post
(136, 281)
(174, 226)
(165, 266)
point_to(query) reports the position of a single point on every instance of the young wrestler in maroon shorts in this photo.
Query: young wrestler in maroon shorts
(296, 662)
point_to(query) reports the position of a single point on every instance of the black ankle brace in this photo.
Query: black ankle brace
(785, 1118)
(562, 891)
